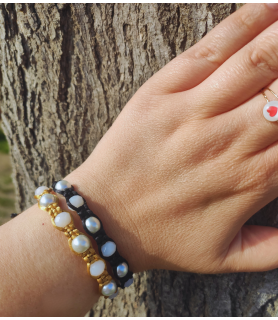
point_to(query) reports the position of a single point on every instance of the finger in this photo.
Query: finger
(254, 249)
(197, 63)
(256, 133)
(241, 76)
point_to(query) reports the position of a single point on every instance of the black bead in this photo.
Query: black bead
(100, 236)
(68, 192)
(83, 214)
(59, 191)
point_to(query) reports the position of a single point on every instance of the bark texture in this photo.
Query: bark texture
(66, 73)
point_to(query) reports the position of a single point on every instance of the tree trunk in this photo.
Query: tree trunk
(66, 73)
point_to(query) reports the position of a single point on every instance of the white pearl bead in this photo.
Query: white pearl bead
(128, 283)
(97, 268)
(80, 244)
(108, 249)
(46, 200)
(40, 190)
(92, 224)
(62, 185)
(62, 219)
(109, 289)
(76, 201)
(270, 111)
(122, 269)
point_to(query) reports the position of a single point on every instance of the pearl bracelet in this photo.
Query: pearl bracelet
(93, 226)
(79, 243)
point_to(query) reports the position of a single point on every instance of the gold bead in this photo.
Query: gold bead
(51, 206)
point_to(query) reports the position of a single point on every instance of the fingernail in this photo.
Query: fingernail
(272, 6)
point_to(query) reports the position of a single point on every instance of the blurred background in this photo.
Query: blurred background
(7, 195)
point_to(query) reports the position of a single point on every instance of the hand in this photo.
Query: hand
(191, 158)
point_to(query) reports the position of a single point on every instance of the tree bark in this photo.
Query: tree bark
(66, 73)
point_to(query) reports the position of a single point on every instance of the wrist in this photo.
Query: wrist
(115, 215)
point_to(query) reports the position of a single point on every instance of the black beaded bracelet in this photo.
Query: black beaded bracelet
(93, 226)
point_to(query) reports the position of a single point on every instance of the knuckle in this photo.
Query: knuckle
(264, 55)
(245, 19)
(210, 53)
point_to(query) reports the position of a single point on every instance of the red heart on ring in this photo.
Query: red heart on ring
(272, 111)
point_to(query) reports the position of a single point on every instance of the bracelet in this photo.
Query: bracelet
(93, 226)
(79, 243)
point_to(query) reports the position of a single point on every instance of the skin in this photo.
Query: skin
(188, 161)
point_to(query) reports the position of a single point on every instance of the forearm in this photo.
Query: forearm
(40, 276)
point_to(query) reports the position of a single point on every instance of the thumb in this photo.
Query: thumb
(255, 248)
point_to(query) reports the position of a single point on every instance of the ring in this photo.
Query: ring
(270, 110)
